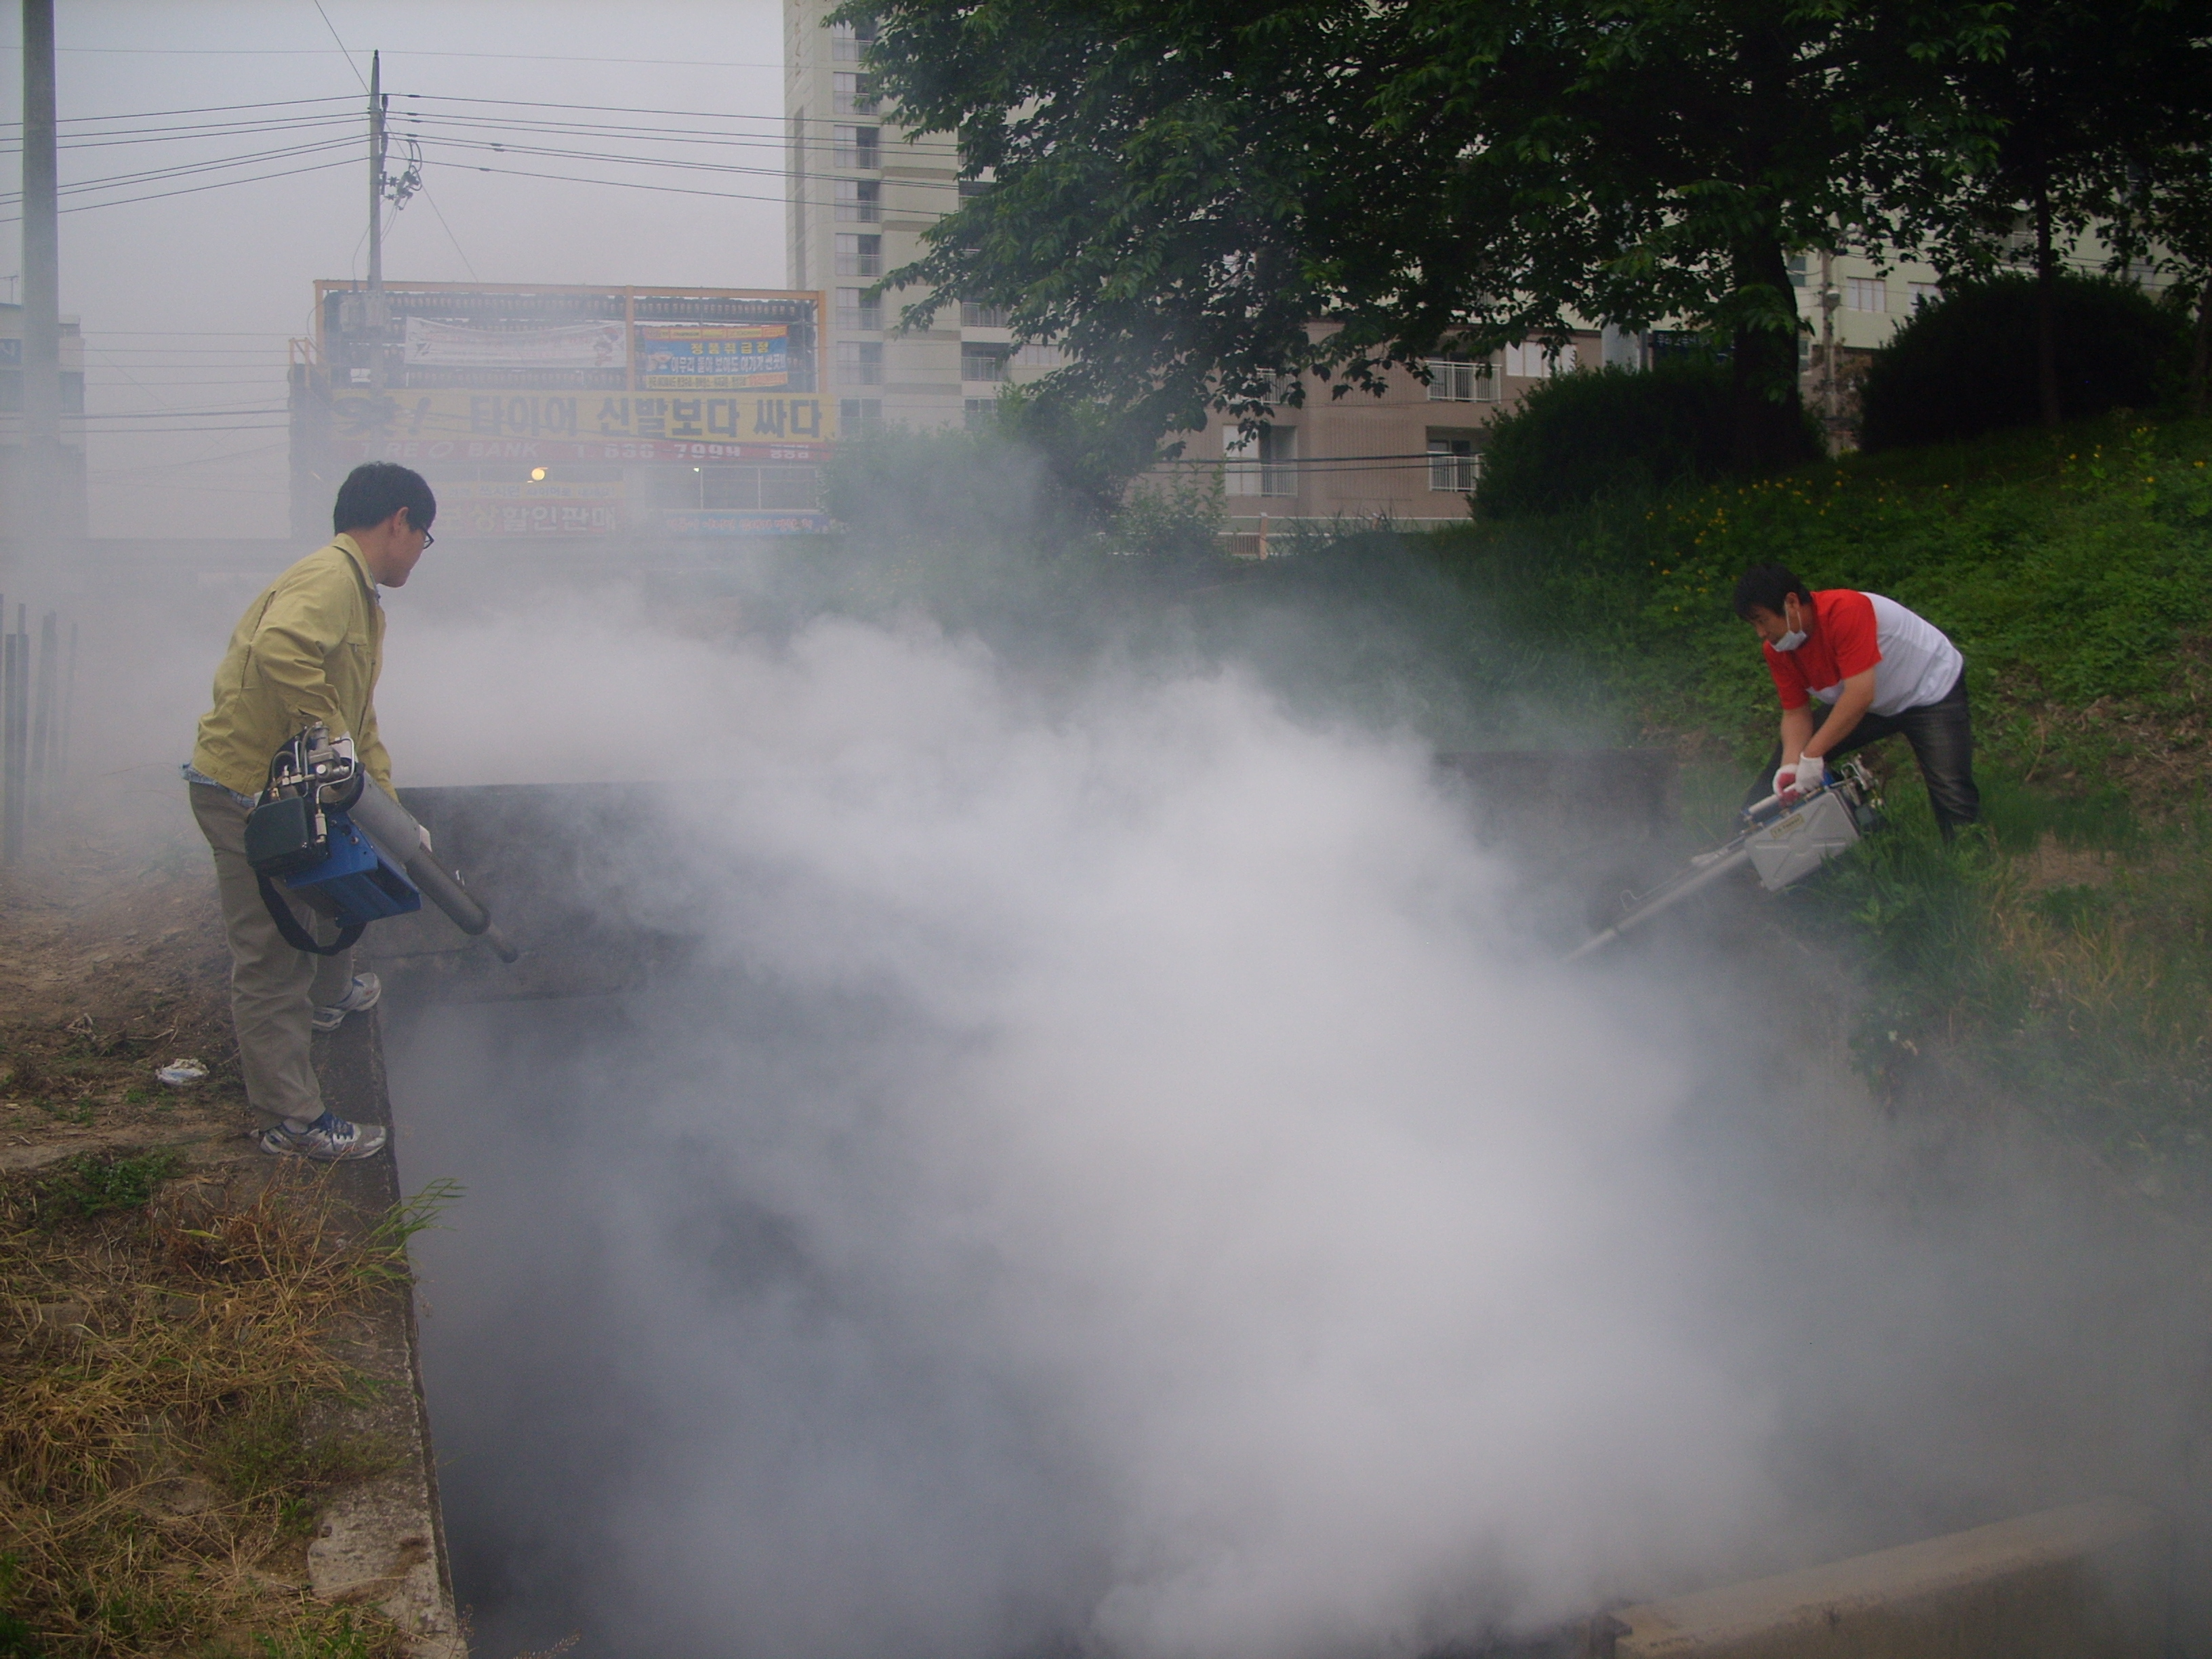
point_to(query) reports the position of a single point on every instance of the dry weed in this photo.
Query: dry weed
(160, 1473)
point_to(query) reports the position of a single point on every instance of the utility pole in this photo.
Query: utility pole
(376, 147)
(42, 475)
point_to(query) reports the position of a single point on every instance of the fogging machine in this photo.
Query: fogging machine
(325, 829)
(1782, 842)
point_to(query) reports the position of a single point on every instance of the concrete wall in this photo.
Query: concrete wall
(2087, 1582)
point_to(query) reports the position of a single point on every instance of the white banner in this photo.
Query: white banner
(569, 345)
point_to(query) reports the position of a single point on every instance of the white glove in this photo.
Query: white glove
(1810, 773)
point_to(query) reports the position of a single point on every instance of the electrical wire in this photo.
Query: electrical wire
(196, 109)
(186, 170)
(618, 183)
(325, 51)
(149, 431)
(485, 145)
(191, 190)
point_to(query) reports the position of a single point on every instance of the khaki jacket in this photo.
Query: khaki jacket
(310, 648)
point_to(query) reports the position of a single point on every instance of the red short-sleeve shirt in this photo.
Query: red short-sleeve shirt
(1840, 643)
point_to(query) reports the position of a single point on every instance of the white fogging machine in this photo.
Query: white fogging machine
(1782, 842)
(325, 829)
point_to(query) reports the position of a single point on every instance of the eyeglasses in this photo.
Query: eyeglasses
(428, 541)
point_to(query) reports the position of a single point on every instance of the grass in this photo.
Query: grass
(158, 1420)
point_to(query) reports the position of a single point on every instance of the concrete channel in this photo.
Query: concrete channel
(2094, 1577)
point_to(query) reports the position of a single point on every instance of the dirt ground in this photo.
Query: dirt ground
(305, 1523)
(112, 965)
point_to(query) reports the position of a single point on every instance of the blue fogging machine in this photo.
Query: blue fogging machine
(335, 839)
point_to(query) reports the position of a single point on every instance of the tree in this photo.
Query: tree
(1200, 198)
(2097, 111)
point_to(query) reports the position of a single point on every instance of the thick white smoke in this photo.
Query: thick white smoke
(1238, 1149)
(1121, 1175)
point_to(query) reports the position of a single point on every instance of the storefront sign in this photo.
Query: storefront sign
(561, 347)
(738, 523)
(729, 418)
(712, 357)
(539, 452)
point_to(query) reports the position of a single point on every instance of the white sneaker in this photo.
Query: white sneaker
(329, 1138)
(360, 996)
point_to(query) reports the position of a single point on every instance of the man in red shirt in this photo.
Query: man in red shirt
(1853, 668)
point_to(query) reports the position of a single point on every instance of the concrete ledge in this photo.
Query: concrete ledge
(2086, 1582)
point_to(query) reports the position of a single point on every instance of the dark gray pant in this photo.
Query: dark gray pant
(1942, 734)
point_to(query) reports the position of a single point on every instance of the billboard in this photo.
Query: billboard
(729, 357)
(567, 411)
(725, 417)
(432, 344)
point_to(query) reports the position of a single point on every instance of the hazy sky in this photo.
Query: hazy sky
(187, 302)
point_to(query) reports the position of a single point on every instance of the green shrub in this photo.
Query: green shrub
(1611, 432)
(1966, 364)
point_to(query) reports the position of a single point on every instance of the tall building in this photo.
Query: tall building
(861, 194)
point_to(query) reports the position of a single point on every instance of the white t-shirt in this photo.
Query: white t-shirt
(1917, 665)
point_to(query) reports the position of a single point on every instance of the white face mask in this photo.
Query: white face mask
(1795, 637)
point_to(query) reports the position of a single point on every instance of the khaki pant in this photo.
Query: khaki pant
(274, 989)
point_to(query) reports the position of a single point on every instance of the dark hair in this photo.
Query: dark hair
(375, 491)
(1764, 586)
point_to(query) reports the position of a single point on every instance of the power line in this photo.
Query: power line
(618, 184)
(186, 170)
(148, 432)
(431, 141)
(325, 51)
(191, 190)
(196, 109)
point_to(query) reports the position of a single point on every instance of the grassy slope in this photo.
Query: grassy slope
(2067, 951)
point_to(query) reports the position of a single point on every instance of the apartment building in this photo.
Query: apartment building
(861, 192)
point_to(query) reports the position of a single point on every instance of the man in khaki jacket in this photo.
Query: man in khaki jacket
(308, 649)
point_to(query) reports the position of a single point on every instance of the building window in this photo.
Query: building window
(849, 41)
(859, 363)
(1866, 293)
(860, 256)
(981, 413)
(1796, 271)
(1454, 380)
(1264, 464)
(975, 316)
(1038, 355)
(1453, 462)
(971, 188)
(977, 364)
(858, 147)
(857, 311)
(789, 487)
(1534, 359)
(675, 487)
(857, 415)
(729, 486)
(1925, 294)
(860, 201)
(852, 94)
